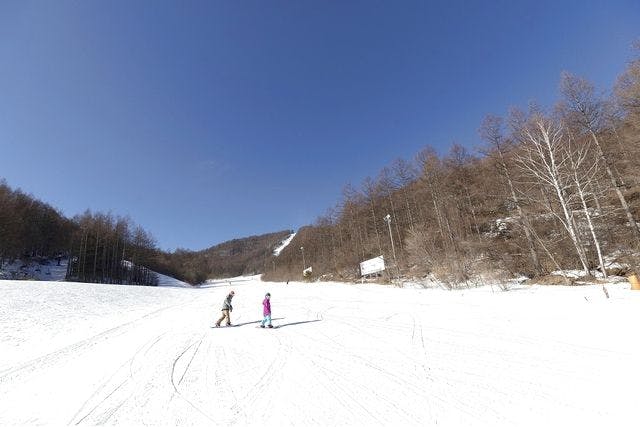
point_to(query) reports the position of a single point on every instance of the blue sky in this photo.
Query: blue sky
(206, 121)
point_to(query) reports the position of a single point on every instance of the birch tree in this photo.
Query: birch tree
(543, 158)
(583, 169)
(491, 132)
(585, 110)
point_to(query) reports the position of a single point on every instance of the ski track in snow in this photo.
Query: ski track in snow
(342, 355)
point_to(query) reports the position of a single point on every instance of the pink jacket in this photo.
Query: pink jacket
(266, 304)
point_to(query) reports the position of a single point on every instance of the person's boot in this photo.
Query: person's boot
(271, 326)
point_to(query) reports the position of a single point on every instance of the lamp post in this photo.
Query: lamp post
(387, 219)
(304, 264)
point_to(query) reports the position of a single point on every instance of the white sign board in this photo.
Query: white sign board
(373, 265)
(307, 271)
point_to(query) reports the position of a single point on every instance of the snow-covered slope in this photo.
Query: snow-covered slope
(48, 270)
(164, 280)
(232, 281)
(283, 244)
(342, 355)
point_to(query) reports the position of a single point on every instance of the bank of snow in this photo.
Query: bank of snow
(343, 355)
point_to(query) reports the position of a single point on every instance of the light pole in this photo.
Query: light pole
(387, 219)
(304, 264)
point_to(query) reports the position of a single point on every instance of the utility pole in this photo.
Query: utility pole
(387, 219)
(304, 264)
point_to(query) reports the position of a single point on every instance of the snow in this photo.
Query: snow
(164, 280)
(75, 353)
(46, 270)
(231, 281)
(283, 244)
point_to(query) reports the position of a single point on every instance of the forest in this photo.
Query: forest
(548, 189)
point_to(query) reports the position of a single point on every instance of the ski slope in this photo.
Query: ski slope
(164, 280)
(86, 354)
(278, 250)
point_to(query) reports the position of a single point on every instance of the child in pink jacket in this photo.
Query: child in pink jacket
(266, 311)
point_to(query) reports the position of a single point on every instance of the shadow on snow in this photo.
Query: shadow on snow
(255, 322)
(297, 323)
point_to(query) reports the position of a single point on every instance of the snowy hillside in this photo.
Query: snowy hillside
(49, 270)
(342, 355)
(46, 269)
(164, 280)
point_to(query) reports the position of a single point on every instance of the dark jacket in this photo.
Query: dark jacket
(226, 305)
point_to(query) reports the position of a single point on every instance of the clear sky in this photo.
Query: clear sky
(205, 121)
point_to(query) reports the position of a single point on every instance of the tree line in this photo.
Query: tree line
(29, 227)
(548, 189)
(103, 248)
(100, 248)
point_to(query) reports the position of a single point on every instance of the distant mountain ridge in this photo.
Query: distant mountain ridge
(244, 256)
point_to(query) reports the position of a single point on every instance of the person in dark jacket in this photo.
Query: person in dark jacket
(266, 311)
(227, 308)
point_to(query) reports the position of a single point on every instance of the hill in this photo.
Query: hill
(238, 257)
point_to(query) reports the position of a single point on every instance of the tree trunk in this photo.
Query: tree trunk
(616, 187)
(523, 218)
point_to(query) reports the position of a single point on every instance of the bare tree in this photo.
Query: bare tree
(627, 89)
(586, 111)
(491, 132)
(388, 189)
(405, 175)
(543, 158)
(583, 170)
(371, 193)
